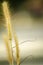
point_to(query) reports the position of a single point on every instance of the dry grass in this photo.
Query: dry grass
(17, 49)
(10, 58)
(7, 18)
(9, 38)
(8, 25)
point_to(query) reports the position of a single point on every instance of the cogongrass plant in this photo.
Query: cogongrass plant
(9, 38)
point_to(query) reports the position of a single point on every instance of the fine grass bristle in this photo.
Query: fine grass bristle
(17, 50)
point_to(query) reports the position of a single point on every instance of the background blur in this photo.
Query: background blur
(27, 21)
